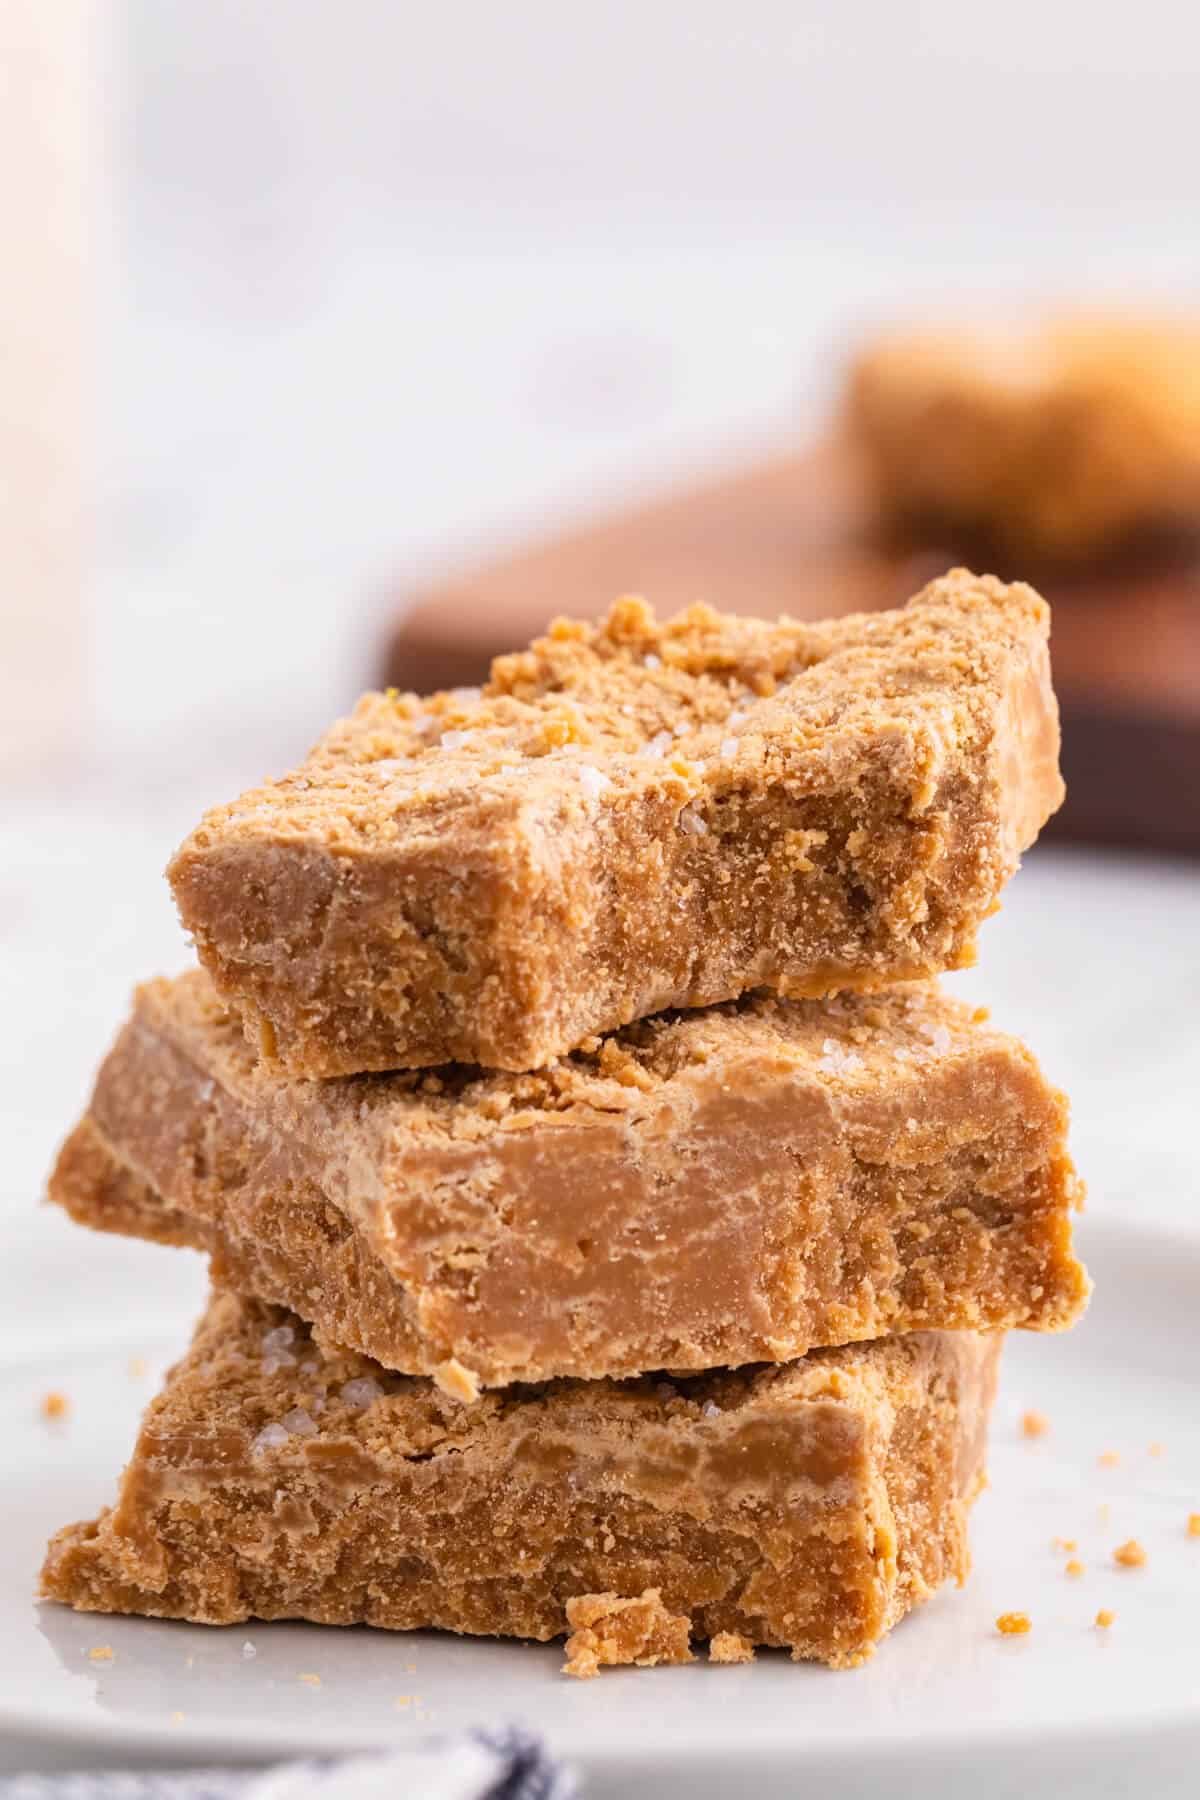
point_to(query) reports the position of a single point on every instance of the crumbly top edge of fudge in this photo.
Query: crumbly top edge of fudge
(262, 1370)
(704, 699)
(847, 1045)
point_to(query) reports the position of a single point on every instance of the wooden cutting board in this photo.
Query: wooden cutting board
(794, 533)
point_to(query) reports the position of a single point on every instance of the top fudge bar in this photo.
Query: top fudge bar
(633, 816)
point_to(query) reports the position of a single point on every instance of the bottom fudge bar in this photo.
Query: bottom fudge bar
(807, 1505)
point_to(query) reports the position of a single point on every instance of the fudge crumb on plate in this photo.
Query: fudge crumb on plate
(1130, 1555)
(607, 1630)
(730, 1647)
(1014, 1624)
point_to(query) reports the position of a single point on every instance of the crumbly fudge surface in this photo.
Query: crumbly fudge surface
(633, 816)
(718, 1187)
(809, 1505)
(608, 1632)
(1063, 437)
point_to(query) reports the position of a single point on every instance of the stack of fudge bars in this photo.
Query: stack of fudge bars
(613, 1226)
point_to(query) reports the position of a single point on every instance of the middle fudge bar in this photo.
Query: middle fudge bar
(809, 1506)
(629, 817)
(714, 1188)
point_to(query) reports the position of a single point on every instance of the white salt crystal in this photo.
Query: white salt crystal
(658, 745)
(729, 747)
(248, 1651)
(269, 1438)
(711, 1410)
(277, 1349)
(692, 823)
(454, 740)
(299, 1423)
(467, 696)
(651, 661)
(361, 1391)
(593, 781)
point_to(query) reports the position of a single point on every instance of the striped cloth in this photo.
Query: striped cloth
(506, 1764)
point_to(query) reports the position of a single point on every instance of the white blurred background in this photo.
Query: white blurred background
(386, 282)
(305, 302)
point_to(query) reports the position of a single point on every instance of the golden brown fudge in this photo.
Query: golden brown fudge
(717, 1187)
(608, 1632)
(1061, 437)
(633, 816)
(809, 1506)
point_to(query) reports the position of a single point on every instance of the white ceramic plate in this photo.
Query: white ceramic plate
(947, 1703)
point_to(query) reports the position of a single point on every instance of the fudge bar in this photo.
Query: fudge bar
(633, 816)
(719, 1187)
(808, 1506)
(1061, 437)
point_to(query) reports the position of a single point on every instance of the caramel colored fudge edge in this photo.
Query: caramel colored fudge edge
(857, 835)
(753, 1205)
(245, 1494)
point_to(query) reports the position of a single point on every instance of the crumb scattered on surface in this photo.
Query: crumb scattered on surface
(730, 1647)
(1061, 1543)
(55, 1405)
(137, 1367)
(310, 1679)
(1035, 1424)
(1104, 1618)
(1014, 1624)
(1074, 1567)
(1104, 1512)
(1130, 1554)
(607, 1630)
(1157, 1449)
(177, 1718)
(101, 1653)
(1109, 1459)
(456, 1380)
(248, 1651)
(1193, 1525)
(403, 1700)
(188, 1661)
